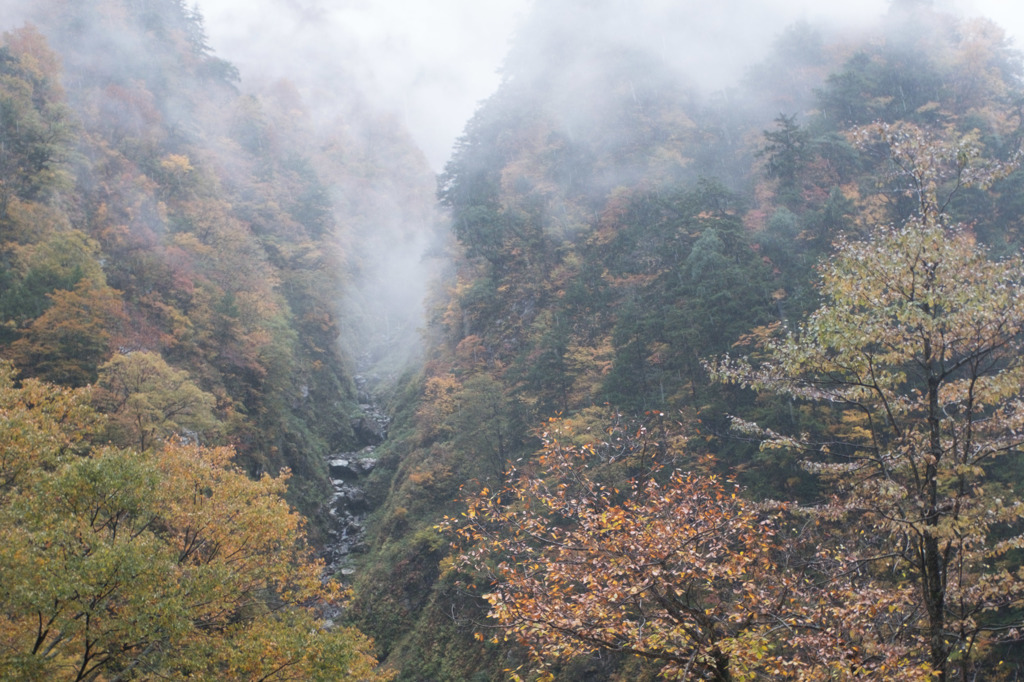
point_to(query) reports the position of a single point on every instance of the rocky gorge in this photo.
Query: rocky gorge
(349, 504)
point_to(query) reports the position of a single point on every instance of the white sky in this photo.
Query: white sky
(432, 61)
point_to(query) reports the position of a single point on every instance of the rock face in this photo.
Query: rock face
(371, 427)
(349, 505)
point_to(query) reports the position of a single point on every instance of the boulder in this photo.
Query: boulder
(342, 468)
(369, 430)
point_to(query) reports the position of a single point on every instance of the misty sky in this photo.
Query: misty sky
(431, 63)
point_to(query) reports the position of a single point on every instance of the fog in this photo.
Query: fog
(370, 71)
(427, 63)
(430, 64)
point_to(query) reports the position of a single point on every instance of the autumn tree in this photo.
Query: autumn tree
(169, 563)
(676, 568)
(148, 400)
(56, 422)
(58, 262)
(916, 359)
(68, 342)
(36, 126)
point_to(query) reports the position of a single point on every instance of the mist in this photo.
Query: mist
(424, 69)
(366, 75)
(390, 244)
(427, 64)
(430, 65)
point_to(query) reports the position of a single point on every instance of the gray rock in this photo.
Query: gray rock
(343, 469)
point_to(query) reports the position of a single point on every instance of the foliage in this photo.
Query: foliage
(678, 570)
(56, 261)
(610, 228)
(68, 342)
(786, 152)
(915, 356)
(594, 263)
(133, 219)
(43, 425)
(123, 564)
(148, 401)
(35, 124)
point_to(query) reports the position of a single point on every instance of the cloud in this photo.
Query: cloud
(428, 63)
(431, 63)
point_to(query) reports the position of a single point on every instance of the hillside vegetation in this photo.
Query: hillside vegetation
(617, 231)
(718, 386)
(179, 263)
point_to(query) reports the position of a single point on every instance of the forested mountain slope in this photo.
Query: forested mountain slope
(150, 206)
(616, 228)
(186, 265)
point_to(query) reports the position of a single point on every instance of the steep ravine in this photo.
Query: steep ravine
(349, 505)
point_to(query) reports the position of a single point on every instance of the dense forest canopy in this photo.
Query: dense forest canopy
(619, 229)
(705, 385)
(185, 259)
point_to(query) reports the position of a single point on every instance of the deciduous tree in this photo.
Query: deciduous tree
(171, 563)
(677, 568)
(916, 356)
(148, 400)
(67, 343)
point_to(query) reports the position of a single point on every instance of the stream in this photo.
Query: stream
(349, 506)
